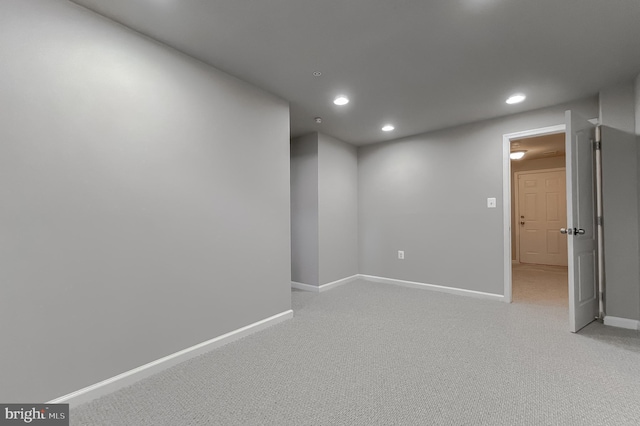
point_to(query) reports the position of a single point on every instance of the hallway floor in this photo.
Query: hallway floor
(540, 285)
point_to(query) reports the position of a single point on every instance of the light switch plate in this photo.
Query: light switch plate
(491, 203)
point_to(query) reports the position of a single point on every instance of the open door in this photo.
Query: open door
(581, 221)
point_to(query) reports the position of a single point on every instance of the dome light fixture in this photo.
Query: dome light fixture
(341, 100)
(517, 155)
(516, 98)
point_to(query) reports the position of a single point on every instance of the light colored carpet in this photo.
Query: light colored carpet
(377, 354)
(540, 284)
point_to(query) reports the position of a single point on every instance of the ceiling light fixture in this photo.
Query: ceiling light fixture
(387, 128)
(516, 99)
(516, 155)
(341, 100)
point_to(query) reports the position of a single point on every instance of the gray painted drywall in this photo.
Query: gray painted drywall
(338, 209)
(620, 201)
(527, 165)
(145, 201)
(304, 210)
(324, 209)
(637, 115)
(617, 107)
(637, 103)
(427, 195)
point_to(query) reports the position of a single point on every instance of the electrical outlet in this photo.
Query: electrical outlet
(491, 203)
(401, 254)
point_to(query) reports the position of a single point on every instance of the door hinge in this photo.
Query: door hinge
(598, 134)
(597, 145)
(600, 221)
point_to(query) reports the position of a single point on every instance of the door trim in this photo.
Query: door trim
(516, 175)
(506, 193)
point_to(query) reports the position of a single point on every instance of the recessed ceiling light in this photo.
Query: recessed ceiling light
(317, 73)
(341, 100)
(387, 128)
(516, 155)
(517, 98)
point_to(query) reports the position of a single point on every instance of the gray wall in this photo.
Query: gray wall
(637, 111)
(620, 201)
(324, 209)
(338, 209)
(637, 104)
(145, 201)
(427, 195)
(304, 209)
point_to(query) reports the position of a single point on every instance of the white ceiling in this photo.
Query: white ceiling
(421, 65)
(540, 146)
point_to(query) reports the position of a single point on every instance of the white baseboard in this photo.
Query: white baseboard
(333, 284)
(622, 322)
(128, 378)
(323, 287)
(305, 287)
(444, 289)
(412, 284)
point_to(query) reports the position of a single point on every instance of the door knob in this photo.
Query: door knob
(572, 231)
(522, 222)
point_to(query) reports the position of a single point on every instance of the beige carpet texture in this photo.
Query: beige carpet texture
(540, 284)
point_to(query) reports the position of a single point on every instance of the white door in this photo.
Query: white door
(581, 221)
(542, 210)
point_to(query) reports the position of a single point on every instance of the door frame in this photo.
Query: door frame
(516, 175)
(506, 194)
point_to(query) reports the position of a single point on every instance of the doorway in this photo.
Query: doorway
(537, 270)
(584, 216)
(539, 209)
